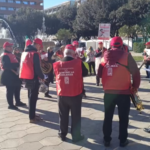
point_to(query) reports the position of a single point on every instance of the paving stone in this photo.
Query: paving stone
(69, 146)
(10, 149)
(7, 125)
(37, 129)
(21, 127)
(22, 121)
(16, 134)
(39, 136)
(10, 119)
(11, 143)
(3, 138)
(4, 131)
(30, 146)
(49, 141)
(52, 148)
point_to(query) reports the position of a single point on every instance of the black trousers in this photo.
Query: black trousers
(147, 73)
(47, 82)
(97, 79)
(123, 103)
(92, 65)
(13, 91)
(65, 105)
(33, 96)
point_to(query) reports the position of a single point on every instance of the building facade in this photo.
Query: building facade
(7, 7)
(54, 9)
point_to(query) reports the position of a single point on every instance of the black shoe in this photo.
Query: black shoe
(97, 84)
(13, 107)
(124, 144)
(63, 138)
(78, 139)
(48, 96)
(20, 104)
(106, 144)
(147, 130)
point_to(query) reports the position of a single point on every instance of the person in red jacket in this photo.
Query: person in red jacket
(9, 77)
(30, 71)
(69, 84)
(115, 71)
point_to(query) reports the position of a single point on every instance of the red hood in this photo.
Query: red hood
(114, 55)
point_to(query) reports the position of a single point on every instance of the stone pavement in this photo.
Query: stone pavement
(17, 134)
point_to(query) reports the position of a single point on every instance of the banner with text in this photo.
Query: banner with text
(104, 31)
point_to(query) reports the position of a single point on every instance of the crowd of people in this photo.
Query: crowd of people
(114, 66)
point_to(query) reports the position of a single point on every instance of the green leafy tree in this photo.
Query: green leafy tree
(53, 24)
(64, 35)
(67, 15)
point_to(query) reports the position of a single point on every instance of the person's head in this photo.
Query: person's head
(49, 49)
(116, 42)
(62, 48)
(91, 48)
(75, 44)
(8, 46)
(69, 51)
(17, 50)
(148, 45)
(100, 45)
(38, 44)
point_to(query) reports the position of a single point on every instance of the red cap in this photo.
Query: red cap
(28, 42)
(116, 41)
(100, 43)
(7, 44)
(148, 43)
(75, 43)
(38, 41)
(71, 47)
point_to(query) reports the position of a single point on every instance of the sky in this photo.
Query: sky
(50, 3)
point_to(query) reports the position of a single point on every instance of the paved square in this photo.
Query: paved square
(16, 133)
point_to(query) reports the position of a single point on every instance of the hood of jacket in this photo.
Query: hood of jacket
(113, 55)
(30, 48)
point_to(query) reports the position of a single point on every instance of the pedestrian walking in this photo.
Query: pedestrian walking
(10, 76)
(98, 56)
(30, 71)
(69, 82)
(91, 60)
(146, 55)
(115, 70)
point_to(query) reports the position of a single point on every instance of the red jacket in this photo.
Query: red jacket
(12, 58)
(69, 80)
(27, 66)
(116, 78)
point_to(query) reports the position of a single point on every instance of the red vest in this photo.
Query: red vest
(27, 66)
(12, 58)
(115, 76)
(69, 80)
(125, 48)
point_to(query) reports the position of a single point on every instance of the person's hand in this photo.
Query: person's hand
(133, 90)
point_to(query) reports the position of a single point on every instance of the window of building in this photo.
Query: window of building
(10, 1)
(5, 16)
(2, 8)
(11, 9)
(2, 0)
(18, 2)
(32, 3)
(25, 2)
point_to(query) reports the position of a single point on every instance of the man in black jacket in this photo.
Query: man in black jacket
(10, 78)
(30, 70)
(69, 81)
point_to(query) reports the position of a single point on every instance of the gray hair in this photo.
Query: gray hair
(69, 52)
